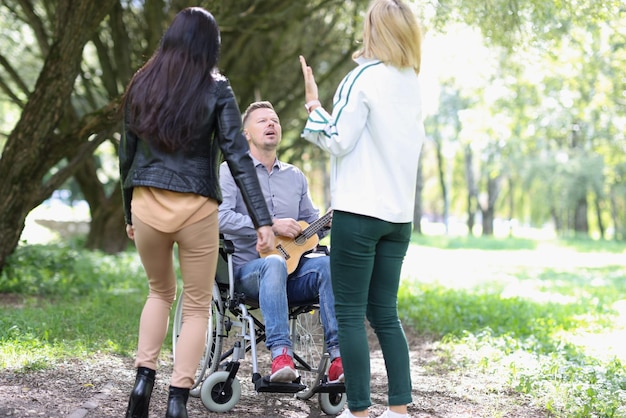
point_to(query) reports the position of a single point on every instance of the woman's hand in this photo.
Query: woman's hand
(310, 86)
(265, 239)
(130, 231)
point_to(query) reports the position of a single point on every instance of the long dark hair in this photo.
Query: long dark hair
(167, 98)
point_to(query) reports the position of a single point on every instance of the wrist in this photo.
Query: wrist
(312, 105)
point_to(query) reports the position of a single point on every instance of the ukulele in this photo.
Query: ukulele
(292, 249)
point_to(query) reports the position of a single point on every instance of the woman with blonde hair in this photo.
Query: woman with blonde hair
(374, 136)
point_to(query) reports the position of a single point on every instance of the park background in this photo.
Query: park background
(525, 113)
(524, 105)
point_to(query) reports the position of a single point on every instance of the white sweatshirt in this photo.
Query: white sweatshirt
(374, 135)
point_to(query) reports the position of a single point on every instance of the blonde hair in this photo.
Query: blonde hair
(391, 33)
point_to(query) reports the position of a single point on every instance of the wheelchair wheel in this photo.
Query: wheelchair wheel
(332, 403)
(213, 346)
(309, 350)
(216, 397)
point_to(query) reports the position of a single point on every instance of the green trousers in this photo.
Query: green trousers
(366, 260)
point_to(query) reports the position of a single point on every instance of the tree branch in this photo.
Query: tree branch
(58, 178)
(15, 77)
(37, 25)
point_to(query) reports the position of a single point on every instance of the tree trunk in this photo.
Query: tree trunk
(472, 193)
(107, 230)
(419, 186)
(618, 233)
(558, 225)
(488, 211)
(32, 148)
(581, 224)
(511, 205)
(598, 208)
(487, 222)
(442, 182)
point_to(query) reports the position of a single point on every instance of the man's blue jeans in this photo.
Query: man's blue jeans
(266, 280)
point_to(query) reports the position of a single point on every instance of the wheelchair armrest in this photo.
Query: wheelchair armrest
(322, 249)
(227, 246)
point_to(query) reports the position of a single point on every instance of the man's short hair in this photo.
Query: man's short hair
(254, 106)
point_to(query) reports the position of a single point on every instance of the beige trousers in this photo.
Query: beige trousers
(198, 246)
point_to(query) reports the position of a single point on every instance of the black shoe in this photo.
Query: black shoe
(139, 401)
(177, 403)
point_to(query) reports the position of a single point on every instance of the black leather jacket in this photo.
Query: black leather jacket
(196, 170)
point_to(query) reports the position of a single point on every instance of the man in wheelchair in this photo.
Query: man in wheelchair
(278, 280)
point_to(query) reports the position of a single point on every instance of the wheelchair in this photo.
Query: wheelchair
(234, 330)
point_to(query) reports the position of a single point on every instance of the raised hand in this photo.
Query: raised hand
(310, 86)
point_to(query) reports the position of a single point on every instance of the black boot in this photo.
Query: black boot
(177, 403)
(140, 396)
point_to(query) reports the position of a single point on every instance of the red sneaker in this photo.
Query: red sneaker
(335, 372)
(283, 369)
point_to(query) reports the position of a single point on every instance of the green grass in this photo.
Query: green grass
(471, 242)
(537, 314)
(593, 246)
(71, 303)
(548, 327)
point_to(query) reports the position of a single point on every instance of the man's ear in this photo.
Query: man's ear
(246, 134)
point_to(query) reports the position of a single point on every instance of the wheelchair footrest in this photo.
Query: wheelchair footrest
(326, 387)
(263, 384)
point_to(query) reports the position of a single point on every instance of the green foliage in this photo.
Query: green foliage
(510, 23)
(72, 303)
(539, 326)
(64, 270)
(555, 83)
(544, 122)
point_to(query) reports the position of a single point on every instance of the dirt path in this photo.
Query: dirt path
(99, 389)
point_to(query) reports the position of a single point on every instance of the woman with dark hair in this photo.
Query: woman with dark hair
(179, 112)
